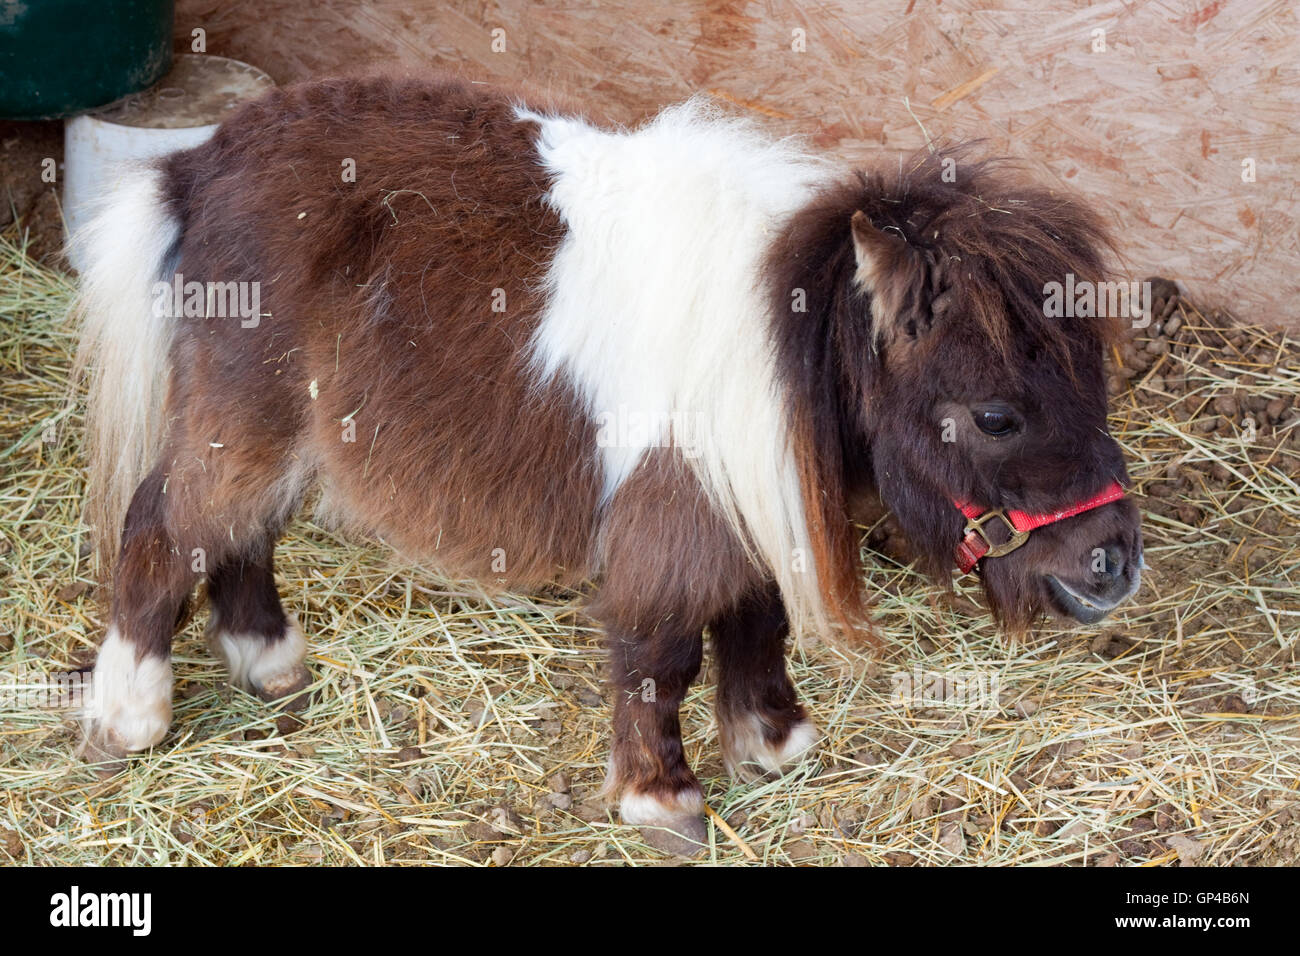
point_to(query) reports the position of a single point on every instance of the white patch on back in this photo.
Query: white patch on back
(657, 308)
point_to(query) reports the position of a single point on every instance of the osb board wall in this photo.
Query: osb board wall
(1155, 126)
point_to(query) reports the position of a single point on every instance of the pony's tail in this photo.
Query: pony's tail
(128, 248)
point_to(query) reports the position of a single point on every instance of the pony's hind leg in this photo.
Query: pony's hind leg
(204, 508)
(764, 728)
(262, 646)
(130, 706)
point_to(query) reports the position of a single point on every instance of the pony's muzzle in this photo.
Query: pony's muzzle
(1106, 575)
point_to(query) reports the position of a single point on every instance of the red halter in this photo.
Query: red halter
(975, 542)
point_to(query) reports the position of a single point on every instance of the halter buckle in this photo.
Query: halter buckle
(976, 526)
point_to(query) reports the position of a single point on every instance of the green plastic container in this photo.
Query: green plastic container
(58, 57)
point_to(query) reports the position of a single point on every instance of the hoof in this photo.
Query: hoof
(102, 749)
(685, 837)
(675, 826)
(749, 755)
(286, 690)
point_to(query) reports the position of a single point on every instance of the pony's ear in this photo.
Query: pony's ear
(888, 270)
(877, 251)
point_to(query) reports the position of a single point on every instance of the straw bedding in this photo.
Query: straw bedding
(450, 727)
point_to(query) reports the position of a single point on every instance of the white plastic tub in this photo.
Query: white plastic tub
(181, 111)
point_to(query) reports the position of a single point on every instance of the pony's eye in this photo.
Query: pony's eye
(995, 423)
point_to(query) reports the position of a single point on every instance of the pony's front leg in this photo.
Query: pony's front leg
(764, 728)
(648, 773)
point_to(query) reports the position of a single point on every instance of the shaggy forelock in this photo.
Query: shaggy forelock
(995, 241)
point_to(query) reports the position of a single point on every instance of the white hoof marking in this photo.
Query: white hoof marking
(267, 668)
(641, 809)
(130, 707)
(748, 753)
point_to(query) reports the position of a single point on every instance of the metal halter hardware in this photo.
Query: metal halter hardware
(976, 526)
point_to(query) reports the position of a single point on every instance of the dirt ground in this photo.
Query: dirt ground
(24, 196)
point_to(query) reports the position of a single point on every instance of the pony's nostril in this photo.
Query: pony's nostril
(1115, 561)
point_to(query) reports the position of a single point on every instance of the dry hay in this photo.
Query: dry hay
(448, 728)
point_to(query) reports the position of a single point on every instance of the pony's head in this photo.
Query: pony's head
(958, 385)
